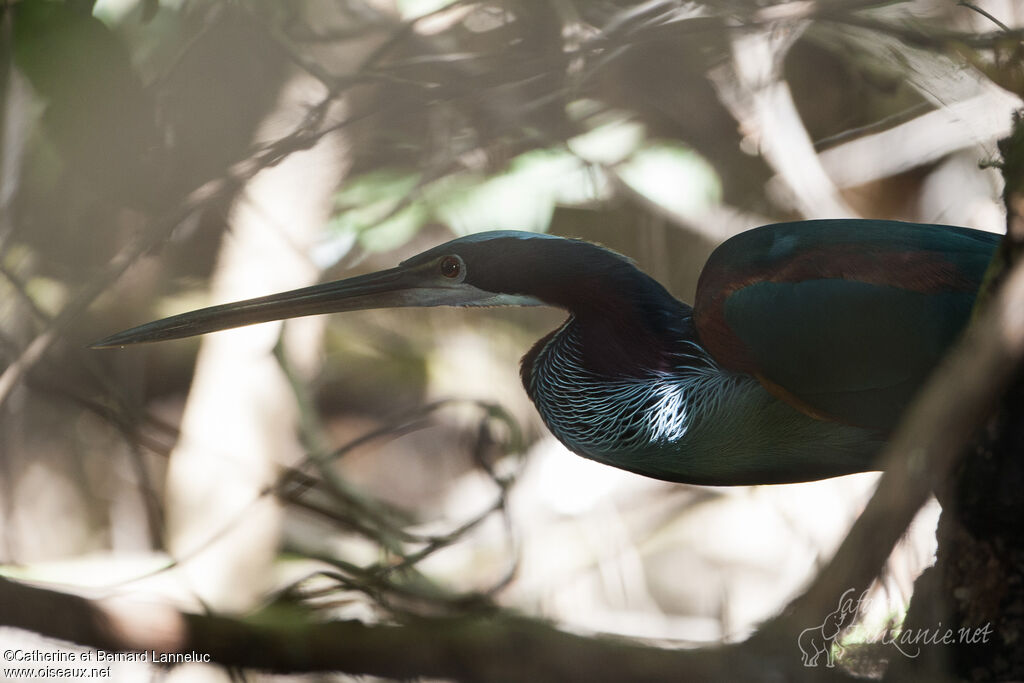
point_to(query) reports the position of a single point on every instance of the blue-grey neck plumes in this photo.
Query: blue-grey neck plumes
(691, 422)
(624, 412)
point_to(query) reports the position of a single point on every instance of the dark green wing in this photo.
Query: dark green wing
(843, 318)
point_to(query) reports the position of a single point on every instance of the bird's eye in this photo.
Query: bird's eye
(451, 266)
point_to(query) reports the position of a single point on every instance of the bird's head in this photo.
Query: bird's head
(502, 268)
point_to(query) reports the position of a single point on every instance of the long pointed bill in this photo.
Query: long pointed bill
(385, 289)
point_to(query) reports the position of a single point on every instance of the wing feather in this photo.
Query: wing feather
(845, 317)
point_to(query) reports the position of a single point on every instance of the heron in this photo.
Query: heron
(805, 344)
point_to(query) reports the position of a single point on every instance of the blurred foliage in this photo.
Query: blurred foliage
(129, 128)
(96, 105)
(385, 208)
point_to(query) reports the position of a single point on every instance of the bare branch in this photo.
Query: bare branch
(487, 647)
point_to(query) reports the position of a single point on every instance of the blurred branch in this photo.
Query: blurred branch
(394, 580)
(988, 15)
(78, 304)
(922, 140)
(115, 416)
(753, 90)
(488, 647)
(660, 20)
(930, 37)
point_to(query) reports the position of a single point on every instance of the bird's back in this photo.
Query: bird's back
(844, 319)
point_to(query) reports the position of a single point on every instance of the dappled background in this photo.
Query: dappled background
(161, 155)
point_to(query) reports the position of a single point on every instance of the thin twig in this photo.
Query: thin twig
(988, 15)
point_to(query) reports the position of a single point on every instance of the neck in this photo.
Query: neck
(625, 322)
(597, 396)
(686, 421)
